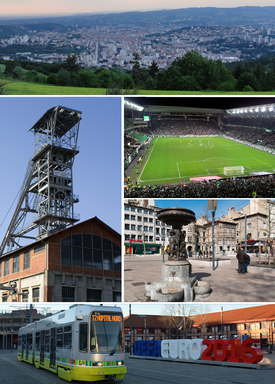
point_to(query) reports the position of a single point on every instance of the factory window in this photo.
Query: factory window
(39, 248)
(27, 260)
(67, 294)
(6, 267)
(25, 295)
(107, 261)
(126, 208)
(93, 252)
(93, 295)
(88, 258)
(35, 295)
(4, 297)
(117, 296)
(16, 261)
(126, 226)
(97, 242)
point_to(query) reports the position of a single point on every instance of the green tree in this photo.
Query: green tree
(86, 78)
(63, 77)
(70, 63)
(52, 79)
(137, 74)
(247, 79)
(260, 73)
(19, 73)
(153, 69)
(127, 82)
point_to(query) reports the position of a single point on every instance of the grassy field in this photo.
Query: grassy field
(25, 88)
(174, 159)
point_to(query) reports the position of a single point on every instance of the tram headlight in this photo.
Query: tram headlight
(120, 363)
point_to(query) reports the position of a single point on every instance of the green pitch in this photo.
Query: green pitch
(174, 159)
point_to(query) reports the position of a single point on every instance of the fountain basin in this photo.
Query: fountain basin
(201, 289)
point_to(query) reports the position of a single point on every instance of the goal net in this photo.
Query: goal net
(231, 171)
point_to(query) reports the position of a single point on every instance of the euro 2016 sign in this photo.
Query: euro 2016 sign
(199, 349)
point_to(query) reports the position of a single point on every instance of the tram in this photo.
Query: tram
(83, 343)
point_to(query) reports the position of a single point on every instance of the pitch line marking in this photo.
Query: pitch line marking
(139, 180)
(178, 169)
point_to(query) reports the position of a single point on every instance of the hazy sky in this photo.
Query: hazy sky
(28, 7)
(136, 308)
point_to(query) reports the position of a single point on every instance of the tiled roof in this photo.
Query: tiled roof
(242, 315)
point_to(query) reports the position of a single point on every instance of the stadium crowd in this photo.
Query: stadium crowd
(243, 187)
(184, 128)
(252, 135)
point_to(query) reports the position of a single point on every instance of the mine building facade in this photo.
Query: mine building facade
(81, 263)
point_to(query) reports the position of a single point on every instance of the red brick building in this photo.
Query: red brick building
(81, 263)
(256, 322)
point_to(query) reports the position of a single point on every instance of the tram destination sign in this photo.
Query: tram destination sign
(106, 317)
(232, 350)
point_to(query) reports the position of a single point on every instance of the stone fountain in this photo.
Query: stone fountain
(176, 283)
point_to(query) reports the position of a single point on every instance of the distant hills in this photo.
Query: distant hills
(186, 16)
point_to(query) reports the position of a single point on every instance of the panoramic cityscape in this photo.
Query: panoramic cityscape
(137, 223)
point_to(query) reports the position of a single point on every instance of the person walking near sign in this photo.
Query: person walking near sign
(241, 256)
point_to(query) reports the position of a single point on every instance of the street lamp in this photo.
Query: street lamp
(212, 206)
(222, 321)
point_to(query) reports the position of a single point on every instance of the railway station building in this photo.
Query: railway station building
(81, 263)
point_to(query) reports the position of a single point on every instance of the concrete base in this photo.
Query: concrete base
(175, 283)
(260, 365)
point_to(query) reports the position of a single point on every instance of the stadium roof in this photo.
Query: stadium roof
(198, 104)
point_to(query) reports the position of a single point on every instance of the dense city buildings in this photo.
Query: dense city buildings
(108, 46)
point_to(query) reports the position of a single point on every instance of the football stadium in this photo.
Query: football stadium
(199, 147)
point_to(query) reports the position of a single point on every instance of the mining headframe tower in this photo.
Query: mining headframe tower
(47, 189)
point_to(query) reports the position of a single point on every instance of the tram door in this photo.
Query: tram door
(29, 344)
(53, 348)
(42, 347)
(24, 344)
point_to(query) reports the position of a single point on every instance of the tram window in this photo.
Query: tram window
(68, 337)
(47, 341)
(83, 337)
(59, 337)
(29, 338)
(37, 340)
(24, 340)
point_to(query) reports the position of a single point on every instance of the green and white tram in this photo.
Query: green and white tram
(83, 343)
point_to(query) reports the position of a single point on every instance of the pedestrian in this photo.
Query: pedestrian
(241, 261)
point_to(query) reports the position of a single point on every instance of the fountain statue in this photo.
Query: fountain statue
(176, 284)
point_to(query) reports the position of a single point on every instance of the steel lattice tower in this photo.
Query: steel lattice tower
(47, 189)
